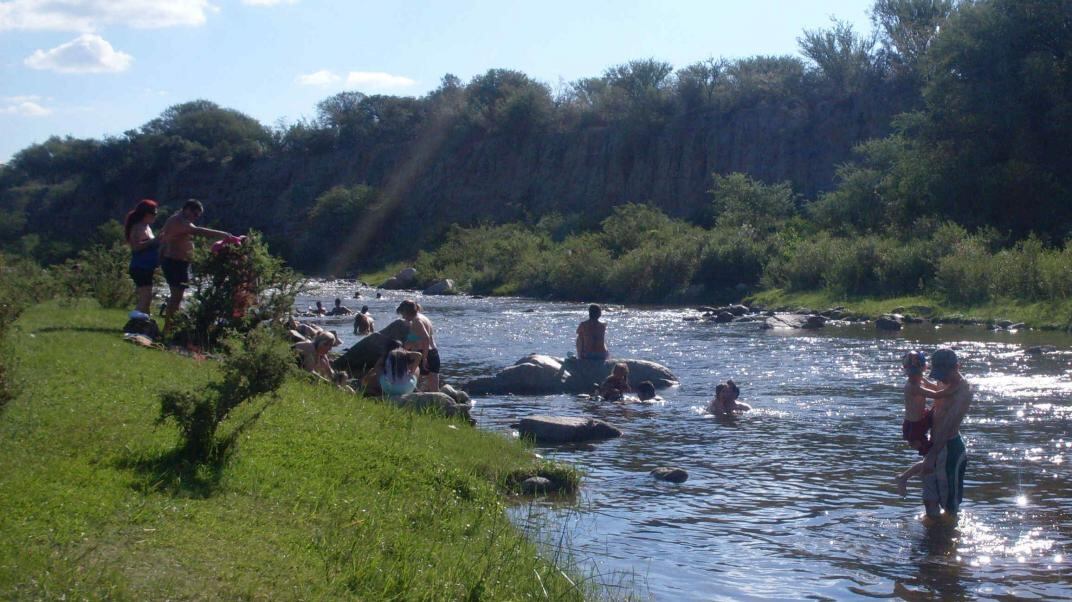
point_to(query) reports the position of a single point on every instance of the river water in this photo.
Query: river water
(795, 499)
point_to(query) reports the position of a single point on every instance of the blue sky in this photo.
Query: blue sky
(88, 68)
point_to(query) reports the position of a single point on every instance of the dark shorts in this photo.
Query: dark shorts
(946, 484)
(177, 273)
(917, 431)
(432, 365)
(142, 276)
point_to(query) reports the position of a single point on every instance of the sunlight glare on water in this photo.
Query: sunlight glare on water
(796, 499)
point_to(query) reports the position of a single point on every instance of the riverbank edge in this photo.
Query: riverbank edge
(323, 495)
(1055, 316)
(1043, 315)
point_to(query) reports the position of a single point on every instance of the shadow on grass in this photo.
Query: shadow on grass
(97, 329)
(173, 472)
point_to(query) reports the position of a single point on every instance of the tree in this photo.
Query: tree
(908, 27)
(844, 58)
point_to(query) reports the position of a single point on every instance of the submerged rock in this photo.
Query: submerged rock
(803, 321)
(533, 485)
(565, 429)
(671, 474)
(1040, 349)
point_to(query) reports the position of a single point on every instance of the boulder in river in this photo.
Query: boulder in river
(671, 474)
(442, 287)
(782, 321)
(889, 322)
(439, 401)
(539, 374)
(364, 353)
(1040, 349)
(565, 429)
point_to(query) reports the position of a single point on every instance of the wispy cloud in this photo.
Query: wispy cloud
(91, 15)
(88, 53)
(377, 80)
(268, 2)
(318, 78)
(23, 106)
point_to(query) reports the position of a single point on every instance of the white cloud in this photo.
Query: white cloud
(88, 53)
(268, 2)
(377, 80)
(23, 106)
(318, 78)
(91, 15)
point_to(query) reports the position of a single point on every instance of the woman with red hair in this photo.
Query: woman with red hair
(144, 248)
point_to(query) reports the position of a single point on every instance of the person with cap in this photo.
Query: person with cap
(947, 459)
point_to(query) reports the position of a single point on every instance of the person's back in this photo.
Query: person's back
(591, 336)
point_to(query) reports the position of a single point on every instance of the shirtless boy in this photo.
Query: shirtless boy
(177, 250)
(591, 336)
(946, 461)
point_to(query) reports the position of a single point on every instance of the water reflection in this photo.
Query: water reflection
(796, 498)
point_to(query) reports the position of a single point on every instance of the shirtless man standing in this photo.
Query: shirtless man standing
(591, 336)
(947, 459)
(177, 250)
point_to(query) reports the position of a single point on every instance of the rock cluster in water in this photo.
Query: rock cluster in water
(538, 374)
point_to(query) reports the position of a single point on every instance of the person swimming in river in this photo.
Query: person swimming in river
(363, 322)
(591, 336)
(645, 390)
(725, 401)
(616, 385)
(918, 418)
(339, 309)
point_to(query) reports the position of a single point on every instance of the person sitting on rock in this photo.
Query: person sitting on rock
(314, 355)
(591, 336)
(400, 371)
(616, 385)
(725, 401)
(363, 322)
(340, 309)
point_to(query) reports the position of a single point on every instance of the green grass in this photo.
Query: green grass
(1054, 314)
(378, 277)
(323, 495)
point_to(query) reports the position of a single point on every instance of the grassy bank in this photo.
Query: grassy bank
(1041, 314)
(323, 494)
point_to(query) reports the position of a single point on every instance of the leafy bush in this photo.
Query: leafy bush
(22, 283)
(731, 256)
(100, 272)
(964, 275)
(255, 363)
(653, 271)
(238, 287)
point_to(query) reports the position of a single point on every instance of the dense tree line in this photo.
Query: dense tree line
(947, 112)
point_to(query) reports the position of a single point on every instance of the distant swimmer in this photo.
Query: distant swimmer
(363, 322)
(318, 310)
(339, 309)
(591, 336)
(645, 391)
(725, 401)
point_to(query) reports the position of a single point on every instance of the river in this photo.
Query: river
(795, 499)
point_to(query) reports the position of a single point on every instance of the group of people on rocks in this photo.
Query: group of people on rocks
(933, 433)
(405, 366)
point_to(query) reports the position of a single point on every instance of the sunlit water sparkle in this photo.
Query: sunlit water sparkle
(795, 499)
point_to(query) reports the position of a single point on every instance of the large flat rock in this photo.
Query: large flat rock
(565, 429)
(539, 374)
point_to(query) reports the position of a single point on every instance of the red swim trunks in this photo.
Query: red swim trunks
(913, 431)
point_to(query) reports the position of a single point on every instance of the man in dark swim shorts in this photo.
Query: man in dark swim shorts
(177, 250)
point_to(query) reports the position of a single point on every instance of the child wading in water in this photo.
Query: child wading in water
(616, 385)
(918, 417)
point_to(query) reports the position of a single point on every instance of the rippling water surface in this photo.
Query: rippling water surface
(795, 499)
